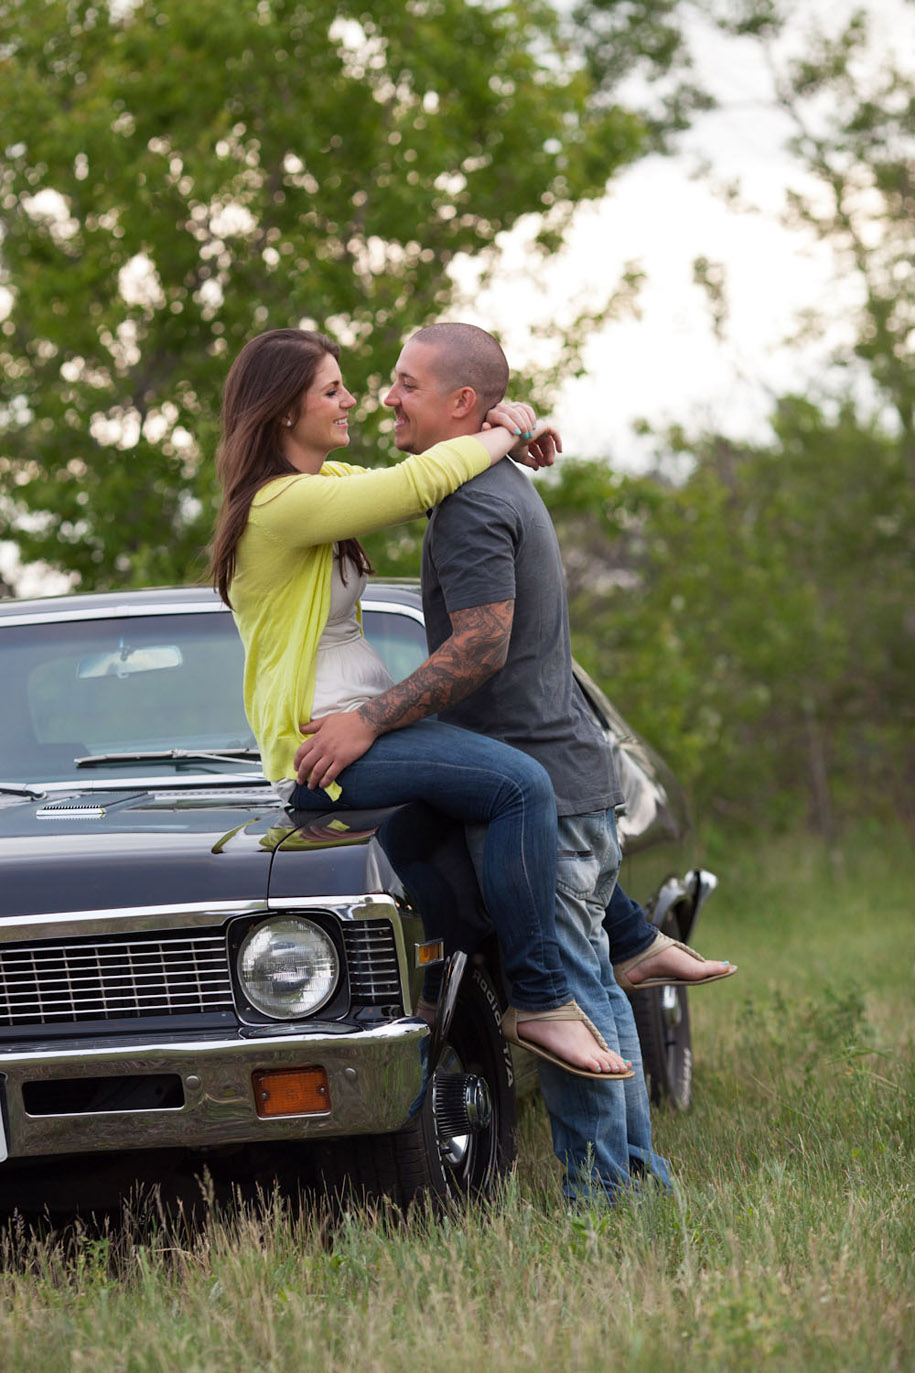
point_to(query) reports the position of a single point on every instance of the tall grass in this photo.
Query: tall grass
(790, 1242)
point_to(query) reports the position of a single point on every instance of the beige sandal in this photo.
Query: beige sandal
(658, 945)
(512, 1019)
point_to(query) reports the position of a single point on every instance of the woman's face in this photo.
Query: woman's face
(321, 425)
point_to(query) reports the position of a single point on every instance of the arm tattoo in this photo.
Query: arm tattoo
(476, 649)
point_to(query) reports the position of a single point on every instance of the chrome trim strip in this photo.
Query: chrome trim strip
(669, 893)
(191, 913)
(396, 608)
(17, 929)
(375, 1078)
(126, 782)
(207, 605)
(278, 903)
(114, 612)
(701, 883)
(243, 795)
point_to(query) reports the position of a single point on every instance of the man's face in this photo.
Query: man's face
(424, 410)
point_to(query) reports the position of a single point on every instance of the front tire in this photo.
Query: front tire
(422, 1161)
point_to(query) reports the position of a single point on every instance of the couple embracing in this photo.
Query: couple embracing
(513, 754)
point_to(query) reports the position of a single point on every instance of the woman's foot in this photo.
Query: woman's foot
(668, 962)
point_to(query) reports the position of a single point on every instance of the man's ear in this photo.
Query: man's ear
(465, 402)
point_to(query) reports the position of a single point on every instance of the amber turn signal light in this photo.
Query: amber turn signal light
(433, 952)
(291, 1092)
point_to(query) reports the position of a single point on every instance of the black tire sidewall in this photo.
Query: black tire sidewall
(407, 1167)
(476, 1038)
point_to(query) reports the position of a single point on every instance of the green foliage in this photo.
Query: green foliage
(755, 621)
(854, 134)
(648, 39)
(177, 177)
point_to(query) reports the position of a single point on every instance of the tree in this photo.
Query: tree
(851, 108)
(854, 123)
(649, 41)
(755, 619)
(176, 177)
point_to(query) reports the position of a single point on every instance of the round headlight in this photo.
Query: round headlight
(288, 967)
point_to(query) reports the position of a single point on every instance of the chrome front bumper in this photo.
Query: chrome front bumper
(375, 1081)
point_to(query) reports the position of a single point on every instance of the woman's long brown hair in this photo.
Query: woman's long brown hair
(265, 383)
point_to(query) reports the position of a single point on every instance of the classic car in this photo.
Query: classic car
(190, 974)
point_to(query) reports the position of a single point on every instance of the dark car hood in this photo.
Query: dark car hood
(100, 850)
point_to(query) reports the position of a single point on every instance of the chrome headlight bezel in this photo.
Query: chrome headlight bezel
(258, 1007)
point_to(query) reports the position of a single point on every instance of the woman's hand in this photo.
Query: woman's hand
(513, 415)
(538, 441)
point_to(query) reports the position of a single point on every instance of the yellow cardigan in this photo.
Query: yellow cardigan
(281, 588)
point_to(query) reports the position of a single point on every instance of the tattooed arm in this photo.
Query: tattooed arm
(477, 648)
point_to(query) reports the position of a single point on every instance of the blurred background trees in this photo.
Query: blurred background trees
(175, 177)
(178, 176)
(757, 616)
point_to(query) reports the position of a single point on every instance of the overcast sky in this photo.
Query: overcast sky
(667, 365)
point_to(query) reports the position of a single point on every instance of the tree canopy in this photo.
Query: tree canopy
(177, 177)
(755, 619)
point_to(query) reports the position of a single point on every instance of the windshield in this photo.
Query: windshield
(145, 684)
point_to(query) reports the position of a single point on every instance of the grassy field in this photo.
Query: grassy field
(790, 1243)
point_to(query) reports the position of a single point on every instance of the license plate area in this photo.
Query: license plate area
(76, 1096)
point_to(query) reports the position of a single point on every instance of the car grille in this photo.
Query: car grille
(110, 979)
(183, 973)
(374, 977)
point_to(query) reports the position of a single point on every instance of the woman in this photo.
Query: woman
(286, 559)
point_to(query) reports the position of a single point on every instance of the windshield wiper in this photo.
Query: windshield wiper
(33, 794)
(173, 755)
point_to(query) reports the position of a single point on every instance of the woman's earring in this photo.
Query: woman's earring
(288, 423)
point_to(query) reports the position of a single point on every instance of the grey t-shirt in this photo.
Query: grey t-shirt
(493, 540)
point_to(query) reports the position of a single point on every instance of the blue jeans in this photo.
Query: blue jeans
(628, 928)
(430, 856)
(475, 780)
(601, 1131)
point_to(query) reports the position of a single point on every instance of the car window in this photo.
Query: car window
(118, 685)
(398, 639)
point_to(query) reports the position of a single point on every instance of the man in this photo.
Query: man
(500, 663)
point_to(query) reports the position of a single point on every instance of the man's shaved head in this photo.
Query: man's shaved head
(466, 356)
